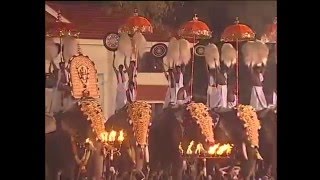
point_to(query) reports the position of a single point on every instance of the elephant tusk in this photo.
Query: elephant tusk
(184, 165)
(244, 151)
(258, 155)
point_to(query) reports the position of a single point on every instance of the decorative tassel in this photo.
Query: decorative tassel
(212, 56)
(184, 51)
(51, 49)
(125, 46)
(140, 43)
(173, 50)
(249, 53)
(70, 47)
(228, 54)
(263, 52)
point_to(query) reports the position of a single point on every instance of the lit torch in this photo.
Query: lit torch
(121, 136)
(112, 136)
(189, 150)
(219, 150)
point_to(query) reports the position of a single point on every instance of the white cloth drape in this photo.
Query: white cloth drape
(258, 99)
(121, 97)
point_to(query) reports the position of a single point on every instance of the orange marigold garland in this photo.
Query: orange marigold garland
(140, 114)
(251, 123)
(200, 113)
(92, 109)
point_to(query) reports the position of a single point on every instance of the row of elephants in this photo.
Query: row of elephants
(166, 132)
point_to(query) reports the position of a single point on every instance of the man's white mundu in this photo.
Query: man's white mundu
(256, 54)
(216, 96)
(121, 97)
(178, 54)
(229, 59)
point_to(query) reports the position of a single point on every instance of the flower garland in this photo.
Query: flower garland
(248, 115)
(200, 113)
(140, 115)
(92, 109)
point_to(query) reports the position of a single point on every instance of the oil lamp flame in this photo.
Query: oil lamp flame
(121, 136)
(112, 136)
(189, 150)
(219, 150)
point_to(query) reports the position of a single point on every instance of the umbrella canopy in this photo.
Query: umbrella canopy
(60, 28)
(195, 29)
(237, 32)
(136, 23)
(270, 35)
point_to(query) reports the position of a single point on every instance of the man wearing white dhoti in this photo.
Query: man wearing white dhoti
(257, 99)
(62, 99)
(122, 83)
(175, 78)
(217, 89)
(132, 71)
(171, 92)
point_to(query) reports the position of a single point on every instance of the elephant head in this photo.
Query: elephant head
(197, 124)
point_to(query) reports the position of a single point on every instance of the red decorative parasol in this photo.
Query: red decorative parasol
(61, 29)
(136, 23)
(270, 35)
(194, 30)
(235, 33)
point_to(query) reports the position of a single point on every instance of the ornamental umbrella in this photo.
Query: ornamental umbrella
(61, 29)
(135, 24)
(235, 33)
(270, 35)
(195, 30)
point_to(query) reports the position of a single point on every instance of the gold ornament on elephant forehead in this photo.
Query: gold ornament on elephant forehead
(83, 77)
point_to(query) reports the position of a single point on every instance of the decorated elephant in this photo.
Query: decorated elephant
(171, 135)
(240, 127)
(134, 120)
(268, 142)
(73, 150)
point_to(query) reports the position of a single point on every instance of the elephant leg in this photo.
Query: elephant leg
(248, 168)
(68, 172)
(52, 173)
(177, 167)
(96, 166)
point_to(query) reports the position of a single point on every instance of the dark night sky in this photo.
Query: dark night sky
(219, 14)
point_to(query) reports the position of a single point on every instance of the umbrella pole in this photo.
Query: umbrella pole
(61, 49)
(237, 72)
(192, 66)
